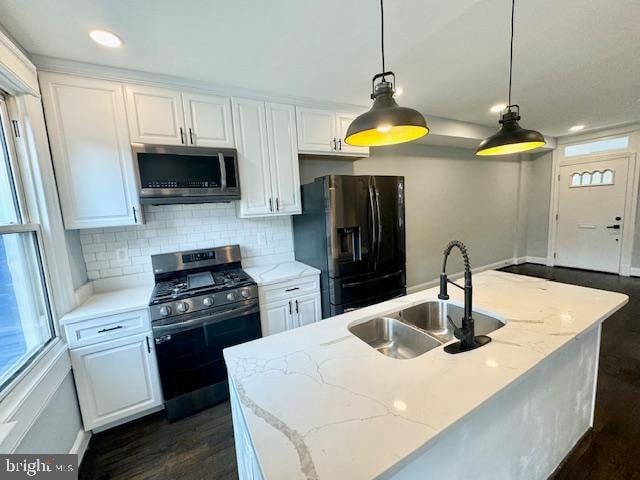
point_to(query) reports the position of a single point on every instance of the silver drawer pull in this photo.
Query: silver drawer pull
(110, 329)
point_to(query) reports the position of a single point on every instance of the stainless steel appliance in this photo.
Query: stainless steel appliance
(202, 303)
(352, 229)
(174, 174)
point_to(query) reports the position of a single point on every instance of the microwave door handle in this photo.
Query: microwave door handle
(223, 171)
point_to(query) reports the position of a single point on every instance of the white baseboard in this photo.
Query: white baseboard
(529, 259)
(634, 272)
(80, 445)
(453, 276)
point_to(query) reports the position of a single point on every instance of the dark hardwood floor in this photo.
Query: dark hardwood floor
(201, 446)
(194, 448)
(611, 450)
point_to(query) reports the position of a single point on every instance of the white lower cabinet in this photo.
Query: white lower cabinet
(116, 379)
(288, 305)
(248, 466)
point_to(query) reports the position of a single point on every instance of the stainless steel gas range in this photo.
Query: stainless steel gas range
(202, 303)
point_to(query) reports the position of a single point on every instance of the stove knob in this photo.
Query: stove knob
(245, 293)
(182, 307)
(208, 301)
(232, 297)
(164, 311)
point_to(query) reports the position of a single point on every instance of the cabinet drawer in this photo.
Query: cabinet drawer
(290, 289)
(89, 332)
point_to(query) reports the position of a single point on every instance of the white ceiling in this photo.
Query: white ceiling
(576, 61)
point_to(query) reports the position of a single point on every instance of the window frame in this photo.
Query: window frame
(25, 226)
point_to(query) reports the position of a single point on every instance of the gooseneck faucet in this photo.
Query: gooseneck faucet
(466, 333)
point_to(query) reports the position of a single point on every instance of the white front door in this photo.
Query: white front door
(591, 207)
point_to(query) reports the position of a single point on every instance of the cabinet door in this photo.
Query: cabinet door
(316, 130)
(208, 120)
(308, 309)
(249, 123)
(116, 379)
(155, 115)
(343, 120)
(283, 156)
(86, 121)
(276, 317)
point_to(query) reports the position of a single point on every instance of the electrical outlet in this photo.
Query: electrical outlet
(122, 254)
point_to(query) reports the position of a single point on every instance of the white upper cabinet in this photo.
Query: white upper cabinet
(316, 130)
(267, 158)
(283, 157)
(322, 132)
(208, 120)
(170, 117)
(87, 127)
(343, 120)
(155, 115)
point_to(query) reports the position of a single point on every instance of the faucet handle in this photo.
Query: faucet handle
(456, 330)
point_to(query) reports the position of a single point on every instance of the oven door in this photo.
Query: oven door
(190, 352)
(172, 174)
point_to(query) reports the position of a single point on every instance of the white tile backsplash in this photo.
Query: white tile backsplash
(120, 251)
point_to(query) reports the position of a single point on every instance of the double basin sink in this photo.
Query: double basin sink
(415, 330)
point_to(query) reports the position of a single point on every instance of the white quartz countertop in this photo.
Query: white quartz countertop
(320, 403)
(110, 303)
(280, 272)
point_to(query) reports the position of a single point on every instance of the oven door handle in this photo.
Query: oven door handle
(200, 321)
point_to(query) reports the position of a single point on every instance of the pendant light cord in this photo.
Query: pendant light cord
(513, 10)
(382, 34)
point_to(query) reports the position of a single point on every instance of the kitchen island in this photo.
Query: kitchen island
(318, 402)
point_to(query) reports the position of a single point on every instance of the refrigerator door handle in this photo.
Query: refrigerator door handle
(379, 222)
(374, 230)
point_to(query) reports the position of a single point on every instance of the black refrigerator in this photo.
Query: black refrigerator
(352, 229)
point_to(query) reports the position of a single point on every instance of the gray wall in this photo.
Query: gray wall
(538, 197)
(451, 194)
(311, 168)
(77, 264)
(57, 427)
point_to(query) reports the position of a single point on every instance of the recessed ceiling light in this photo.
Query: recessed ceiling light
(399, 91)
(576, 128)
(106, 39)
(497, 108)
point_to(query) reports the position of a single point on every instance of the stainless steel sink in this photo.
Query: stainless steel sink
(432, 318)
(393, 338)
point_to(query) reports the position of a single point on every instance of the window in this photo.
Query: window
(25, 314)
(591, 179)
(597, 146)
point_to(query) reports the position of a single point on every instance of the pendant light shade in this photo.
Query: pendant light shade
(511, 138)
(386, 123)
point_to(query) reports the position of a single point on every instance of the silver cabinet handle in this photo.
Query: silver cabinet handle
(191, 135)
(118, 327)
(181, 136)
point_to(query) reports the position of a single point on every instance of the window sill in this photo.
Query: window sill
(31, 392)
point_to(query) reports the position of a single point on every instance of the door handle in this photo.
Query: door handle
(334, 144)
(191, 135)
(181, 136)
(614, 227)
(340, 144)
(270, 205)
(297, 307)
(148, 346)
(290, 308)
(277, 204)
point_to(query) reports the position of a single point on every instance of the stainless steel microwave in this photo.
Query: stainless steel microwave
(174, 174)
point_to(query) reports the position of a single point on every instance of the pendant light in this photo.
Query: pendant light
(511, 138)
(387, 123)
